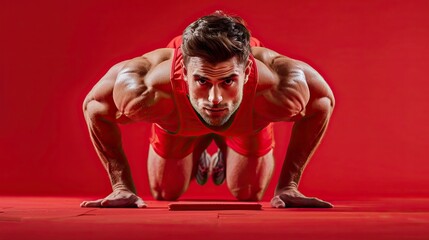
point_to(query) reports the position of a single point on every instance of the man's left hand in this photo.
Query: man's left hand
(292, 198)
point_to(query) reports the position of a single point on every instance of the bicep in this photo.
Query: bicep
(130, 90)
(100, 97)
(134, 90)
(319, 88)
(292, 87)
(103, 89)
(283, 102)
(294, 95)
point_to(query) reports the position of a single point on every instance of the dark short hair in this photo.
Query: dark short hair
(216, 38)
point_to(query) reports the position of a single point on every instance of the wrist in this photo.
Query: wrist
(123, 187)
(122, 180)
(287, 187)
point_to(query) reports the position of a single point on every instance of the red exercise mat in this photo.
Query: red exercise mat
(189, 206)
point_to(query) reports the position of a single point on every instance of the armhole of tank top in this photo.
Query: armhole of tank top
(173, 86)
(254, 87)
(165, 130)
(254, 74)
(173, 67)
(255, 67)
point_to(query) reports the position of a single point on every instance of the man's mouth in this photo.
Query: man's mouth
(214, 111)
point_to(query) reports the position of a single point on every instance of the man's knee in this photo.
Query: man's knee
(168, 178)
(161, 194)
(247, 192)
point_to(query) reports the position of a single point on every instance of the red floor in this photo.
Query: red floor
(62, 219)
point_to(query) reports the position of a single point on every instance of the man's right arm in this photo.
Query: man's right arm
(100, 115)
(121, 96)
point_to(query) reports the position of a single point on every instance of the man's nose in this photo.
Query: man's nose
(215, 95)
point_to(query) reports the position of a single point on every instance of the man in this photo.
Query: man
(217, 84)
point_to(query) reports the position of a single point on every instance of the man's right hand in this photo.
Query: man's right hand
(119, 198)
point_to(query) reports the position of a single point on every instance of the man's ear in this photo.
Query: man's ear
(185, 71)
(247, 70)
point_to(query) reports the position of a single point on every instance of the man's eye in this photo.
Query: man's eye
(201, 81)
(228, 81)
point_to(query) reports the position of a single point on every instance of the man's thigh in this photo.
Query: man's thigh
(250, 163)
(168, 177)
(248, 177)
(172, 161)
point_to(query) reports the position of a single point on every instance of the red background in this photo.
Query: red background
(374, 54)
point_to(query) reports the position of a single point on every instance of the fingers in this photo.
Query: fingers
(323, 204)
(299, 202)
(312, 203)
(116, 201)
(131, 202)
(276, 202)
(96, 203)
(140, 203)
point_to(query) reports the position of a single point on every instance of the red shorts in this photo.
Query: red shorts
(170, 146)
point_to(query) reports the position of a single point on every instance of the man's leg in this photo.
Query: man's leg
(248, 177)
(169, 177)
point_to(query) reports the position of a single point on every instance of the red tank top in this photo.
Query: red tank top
(189, 122)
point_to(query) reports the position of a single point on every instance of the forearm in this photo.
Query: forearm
(106, 138)
(307, 134)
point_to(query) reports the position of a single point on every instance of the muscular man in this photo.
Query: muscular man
(213, 83)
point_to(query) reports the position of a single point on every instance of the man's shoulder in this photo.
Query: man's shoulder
(270, 58)
(267, 77)
(159, 55)
(281, 82)
(273, 67)
(160, 67)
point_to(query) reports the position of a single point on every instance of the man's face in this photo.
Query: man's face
(216, 90)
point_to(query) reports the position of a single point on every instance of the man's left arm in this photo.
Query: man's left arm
(308, 102)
